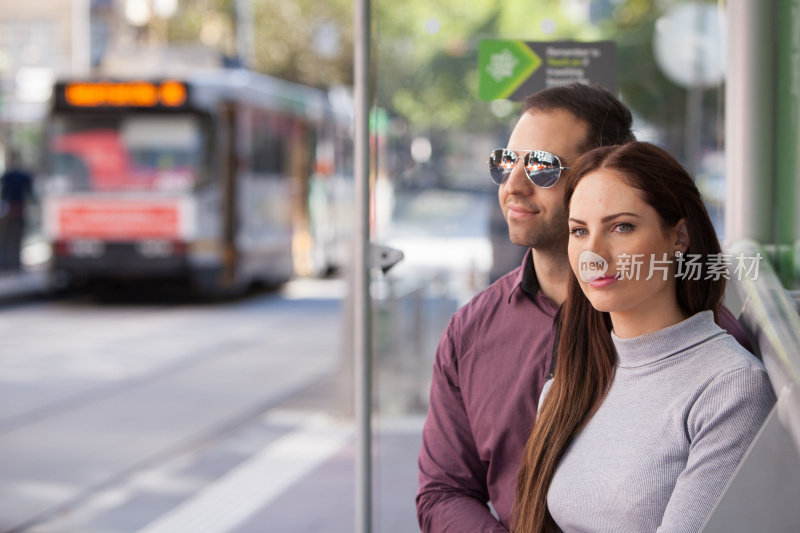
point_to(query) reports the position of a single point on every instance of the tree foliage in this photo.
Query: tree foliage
(305, 41)
(425, 53)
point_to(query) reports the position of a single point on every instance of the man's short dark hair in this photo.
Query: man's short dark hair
(609, 119)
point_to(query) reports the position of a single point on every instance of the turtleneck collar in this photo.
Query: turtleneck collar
(652, 347)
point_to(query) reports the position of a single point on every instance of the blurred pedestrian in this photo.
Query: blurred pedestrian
(497, 351)
(15, 191)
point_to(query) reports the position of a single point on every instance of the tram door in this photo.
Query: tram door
(229, 170)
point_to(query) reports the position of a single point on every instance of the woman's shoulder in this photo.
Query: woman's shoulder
(719, 363)
(728, 355)
(730, 371)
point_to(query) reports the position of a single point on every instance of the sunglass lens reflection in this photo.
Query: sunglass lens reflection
(543, 168)
(501, 162)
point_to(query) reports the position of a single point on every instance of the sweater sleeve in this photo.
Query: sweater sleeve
(721, 424)
(452, 495)
(545, 389)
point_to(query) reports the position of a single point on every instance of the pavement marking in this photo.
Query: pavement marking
(314, 289)
(228, 502)
(22, 283)
(410, 423)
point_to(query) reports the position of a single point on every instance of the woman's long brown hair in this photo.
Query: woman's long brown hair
(586, 358)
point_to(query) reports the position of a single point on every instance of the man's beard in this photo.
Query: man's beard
(552, 235)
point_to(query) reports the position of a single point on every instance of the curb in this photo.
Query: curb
(22, 283)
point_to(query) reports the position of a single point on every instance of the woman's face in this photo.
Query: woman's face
(623, 258)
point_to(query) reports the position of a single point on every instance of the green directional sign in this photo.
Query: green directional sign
(504, 65)
(513, 69)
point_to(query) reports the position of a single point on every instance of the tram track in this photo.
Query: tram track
(110, 390)
(237, 361)
(186, 446)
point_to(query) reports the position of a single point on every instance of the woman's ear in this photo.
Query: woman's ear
(681, 236)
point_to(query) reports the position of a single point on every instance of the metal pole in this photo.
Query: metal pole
(749, 122)
(362, 323)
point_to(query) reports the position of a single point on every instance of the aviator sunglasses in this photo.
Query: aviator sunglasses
(542, 168)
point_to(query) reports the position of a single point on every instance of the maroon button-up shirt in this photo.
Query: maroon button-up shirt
(490, 366)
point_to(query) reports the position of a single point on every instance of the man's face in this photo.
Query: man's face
(536, 217)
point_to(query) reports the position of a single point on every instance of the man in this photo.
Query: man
(496, 352)
(15, 189)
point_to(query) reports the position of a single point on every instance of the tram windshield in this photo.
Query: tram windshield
(139, 152)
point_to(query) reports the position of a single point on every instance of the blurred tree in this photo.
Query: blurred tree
(644, 87)
(305, 41)
(425, 53)
(427, 60)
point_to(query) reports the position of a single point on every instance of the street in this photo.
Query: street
(142, 413)
(123, 416)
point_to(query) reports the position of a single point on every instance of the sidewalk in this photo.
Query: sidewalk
(16, 284)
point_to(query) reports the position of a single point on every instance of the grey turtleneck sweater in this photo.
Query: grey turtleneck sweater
(685, 404)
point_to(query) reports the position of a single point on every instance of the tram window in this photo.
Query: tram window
(269, 153)
(71, 168)
(205, 174)
(134, 151)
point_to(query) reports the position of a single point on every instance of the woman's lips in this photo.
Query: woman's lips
(603, 281)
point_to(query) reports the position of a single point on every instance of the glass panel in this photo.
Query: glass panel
(434, 196)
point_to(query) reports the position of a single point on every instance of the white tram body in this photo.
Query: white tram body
(204, 178)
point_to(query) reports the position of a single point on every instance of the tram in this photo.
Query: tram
(204, 179)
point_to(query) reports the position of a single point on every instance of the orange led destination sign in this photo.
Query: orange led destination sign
(125, 94)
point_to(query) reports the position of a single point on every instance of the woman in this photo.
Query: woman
(652, 405)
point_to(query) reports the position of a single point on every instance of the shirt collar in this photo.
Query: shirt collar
(529, 282)
(526, 279)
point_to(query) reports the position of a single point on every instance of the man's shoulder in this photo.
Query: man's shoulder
(501, 289)
(490, 298)
(729, 323)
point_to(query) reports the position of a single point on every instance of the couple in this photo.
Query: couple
(651, 404)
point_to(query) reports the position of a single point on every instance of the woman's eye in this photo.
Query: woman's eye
(624, 227)
(578, 232)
